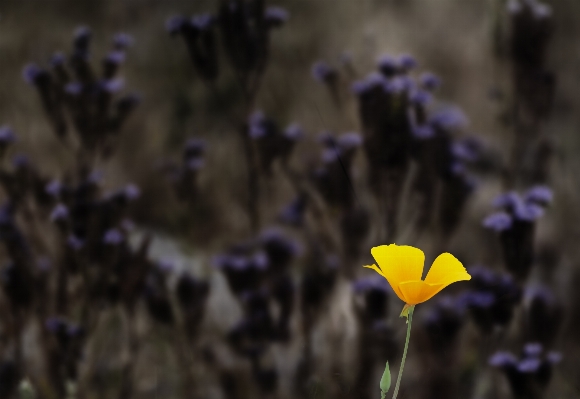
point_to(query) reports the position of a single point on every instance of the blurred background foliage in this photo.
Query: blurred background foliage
(465, 43)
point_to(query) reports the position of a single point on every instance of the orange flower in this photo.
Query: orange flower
(402, 266)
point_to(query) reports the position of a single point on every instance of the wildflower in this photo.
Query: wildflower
(402, 266)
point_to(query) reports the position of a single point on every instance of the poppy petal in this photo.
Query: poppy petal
(399, 263)
(446, 269)
(396, 289)
(418, 291)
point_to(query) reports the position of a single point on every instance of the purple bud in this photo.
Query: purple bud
(60, 212)
(53, 188)
(20, 161)
(423, 132)
(349, 141)
(322, 72)
(202, 21)
(430, 81)
(116, 57)
(395, 85)
(122, 40)
(74, 88)
(407, 62)
(31, 72)
(507, 200)
(276, 16)
(195, 164)
(479, 299)
(113, 85)
(57, 59)
(449, 119)
(82, 33)
(388, 65)
(503, 359)
(294, 132)
(529, 365)
(7, 135)
(498, 221)
(533, 349)
(166, 265)
(554, 357)
(175, 24)
(132, 192)
(75, 243)
(370, 283)
(528, 212)
(113, 237)
(420, 97)
(541, 195)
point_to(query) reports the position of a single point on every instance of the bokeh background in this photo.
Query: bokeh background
(168, 258)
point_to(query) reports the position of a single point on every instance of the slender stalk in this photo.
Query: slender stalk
(409, 321)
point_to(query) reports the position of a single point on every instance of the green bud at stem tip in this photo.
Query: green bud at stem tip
(385, 383)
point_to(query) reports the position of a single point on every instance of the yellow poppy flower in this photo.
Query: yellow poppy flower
(402, 266)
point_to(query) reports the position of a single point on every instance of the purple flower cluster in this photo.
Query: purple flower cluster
(492, 299)
(515, 223)
(71, 90)
(529, 374)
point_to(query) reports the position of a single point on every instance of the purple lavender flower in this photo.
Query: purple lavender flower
(479, 299)
(449, 119)
(20, 161)
(54, 188)
(294, 132)
(276, 16)
(533, 349)
(59, 213)
(113, 85)
(370, 82)
(74, 88)
(293, 213)
(407, 62)
(122, 41)
(388, 65)
(322, 72)
(420, 97)
(7, 135)
(132, 192)
(542, 195)
(498, 221)
(429, 81)
(529, 365)
(57, 59)
(116, 57)
(503, 359)
(423, 132)
(113, 237)
(203, 21)
(554, 357)
(395, 85)
(507, 200)
(528, 212)
(175, 24)
(370, 283)
(31, 73)
(166, 265)
(349, 141)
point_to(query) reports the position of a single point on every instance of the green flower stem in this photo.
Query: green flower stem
(409, 321)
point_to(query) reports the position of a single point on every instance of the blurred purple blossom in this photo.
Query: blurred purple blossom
(498, 221)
